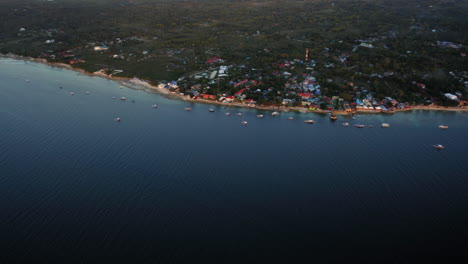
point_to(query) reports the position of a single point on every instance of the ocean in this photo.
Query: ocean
(167, 186)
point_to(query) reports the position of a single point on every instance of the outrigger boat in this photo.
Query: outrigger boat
(438, 146)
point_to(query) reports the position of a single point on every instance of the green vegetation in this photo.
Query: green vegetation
(385, 48)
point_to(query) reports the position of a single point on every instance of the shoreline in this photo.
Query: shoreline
(126, 81)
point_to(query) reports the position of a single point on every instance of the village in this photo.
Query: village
(415, 61)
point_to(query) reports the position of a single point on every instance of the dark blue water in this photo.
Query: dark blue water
(174, 186)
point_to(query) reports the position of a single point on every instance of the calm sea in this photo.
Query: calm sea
(165, 185)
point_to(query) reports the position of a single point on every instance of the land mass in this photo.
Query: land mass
(346, 56)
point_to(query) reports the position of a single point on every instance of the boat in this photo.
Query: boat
(154, 106)
(188, 109)
(244, 122)
(385, 125)
(117, 119)
(260, 116)
(113, 97)
(211, 110)
(359, 126)
(443, 127)
(123, 98)
(290, 118)
(87, 92)
(275, 113)
(72, 93)
(345, 124)
(333, 117)
(227, 114)
(438, 146)
(309, 121)
(239, 114)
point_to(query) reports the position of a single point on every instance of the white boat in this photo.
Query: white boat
(275, 113)
(359, 126)
(123, 98)
(72, 93)
(227, 114)
(117, 119)
(113, 97)
(244, 122)
(211, 110)
(239, 114)
(309, 121)
(345, 124)
(438, 146)
(154, 106)
(443, 127)
(290, 118)
(87, 92)
(188, 109)
(260, 116)
(385, 125)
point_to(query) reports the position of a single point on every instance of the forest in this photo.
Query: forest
(411, 50)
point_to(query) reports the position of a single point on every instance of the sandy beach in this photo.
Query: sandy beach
(138, 83)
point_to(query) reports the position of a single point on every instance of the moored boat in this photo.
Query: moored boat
(275, 113)
(154, 106)
(309, 121)
(345, 124)
(260, 116)
(438, 146)
(443, 127)
(87, 92)
(239, 114)
(244, 122)
(385, 125)
(117, 119)
(290, 118)
(211, 110)
(333, 117)
(72, 93)
(188, 109)
(123, 98)
(359, 126)
(227, 114)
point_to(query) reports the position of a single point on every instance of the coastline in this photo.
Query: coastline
(172, 95)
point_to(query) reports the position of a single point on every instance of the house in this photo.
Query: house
(451, 96)
(214, 60)
(304, 96)
(208, 96)
(100, 48)
(239, 93)
(366, 45)
(229, 98)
